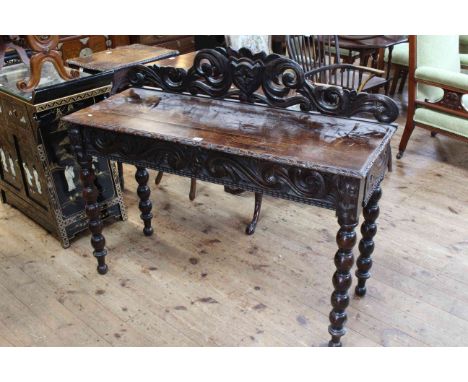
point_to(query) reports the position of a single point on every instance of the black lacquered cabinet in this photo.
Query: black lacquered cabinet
(38, 171)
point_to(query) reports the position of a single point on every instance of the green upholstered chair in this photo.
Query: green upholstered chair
(437, 89)
(400, 56)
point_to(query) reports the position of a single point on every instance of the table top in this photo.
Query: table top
(121, 57)
(308, 140)
(375, 42)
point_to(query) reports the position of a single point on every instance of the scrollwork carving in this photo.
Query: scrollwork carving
(222, 73)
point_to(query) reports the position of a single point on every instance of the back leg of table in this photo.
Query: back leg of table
(145, 205)
(366, 245)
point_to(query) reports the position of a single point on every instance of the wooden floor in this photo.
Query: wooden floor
(201, 281)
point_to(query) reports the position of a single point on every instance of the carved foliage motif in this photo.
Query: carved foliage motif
(222, 73)
(289, 182)
(452, 100)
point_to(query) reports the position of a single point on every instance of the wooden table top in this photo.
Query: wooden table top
(121, 57)
(376, 42)
(315, 141)
(184, 61)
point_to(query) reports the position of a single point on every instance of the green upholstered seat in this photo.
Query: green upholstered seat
(442, 121)
(464, 60)
(400, 54)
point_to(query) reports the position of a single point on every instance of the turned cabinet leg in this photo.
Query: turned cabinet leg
(90, 195)
(366, 245)
(253, 224)
(145, 205)
(158, 177)
(344, 259)
(193, 188)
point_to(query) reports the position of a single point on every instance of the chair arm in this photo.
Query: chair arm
(457, 81)
(377, 72)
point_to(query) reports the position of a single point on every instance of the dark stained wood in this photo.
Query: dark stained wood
(250, 229)
(120, 57)
(90, 194)
(366, 245)
(306, 140)
(330, 162)
(145, 205)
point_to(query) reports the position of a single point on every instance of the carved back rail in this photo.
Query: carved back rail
(228, 74)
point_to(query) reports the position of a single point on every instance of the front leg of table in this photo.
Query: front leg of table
(366, 245)
(90, 194)
(347, 207)
(145, 205)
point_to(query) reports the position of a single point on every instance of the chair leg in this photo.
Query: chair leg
(405, 138)
(253, 224)
(158, 177)
(404, 76)
(396, 76)
(193, 188)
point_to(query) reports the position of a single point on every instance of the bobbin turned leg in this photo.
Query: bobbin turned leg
(90, 194)
(253, 224)
(145, 205)
(366, 245)
(347, 210)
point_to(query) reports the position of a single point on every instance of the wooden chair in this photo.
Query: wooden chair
(320, 58)
(437, 89)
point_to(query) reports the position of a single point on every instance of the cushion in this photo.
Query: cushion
(464, 60)
(439, 52)
(453, 124)
(400, 54)
(445, 77)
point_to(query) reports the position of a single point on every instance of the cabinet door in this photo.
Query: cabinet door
(34, 177)
(10, 171)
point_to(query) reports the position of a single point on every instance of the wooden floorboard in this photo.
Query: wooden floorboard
(200, 281)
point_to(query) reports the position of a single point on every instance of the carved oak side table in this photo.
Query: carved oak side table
(239, 137)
